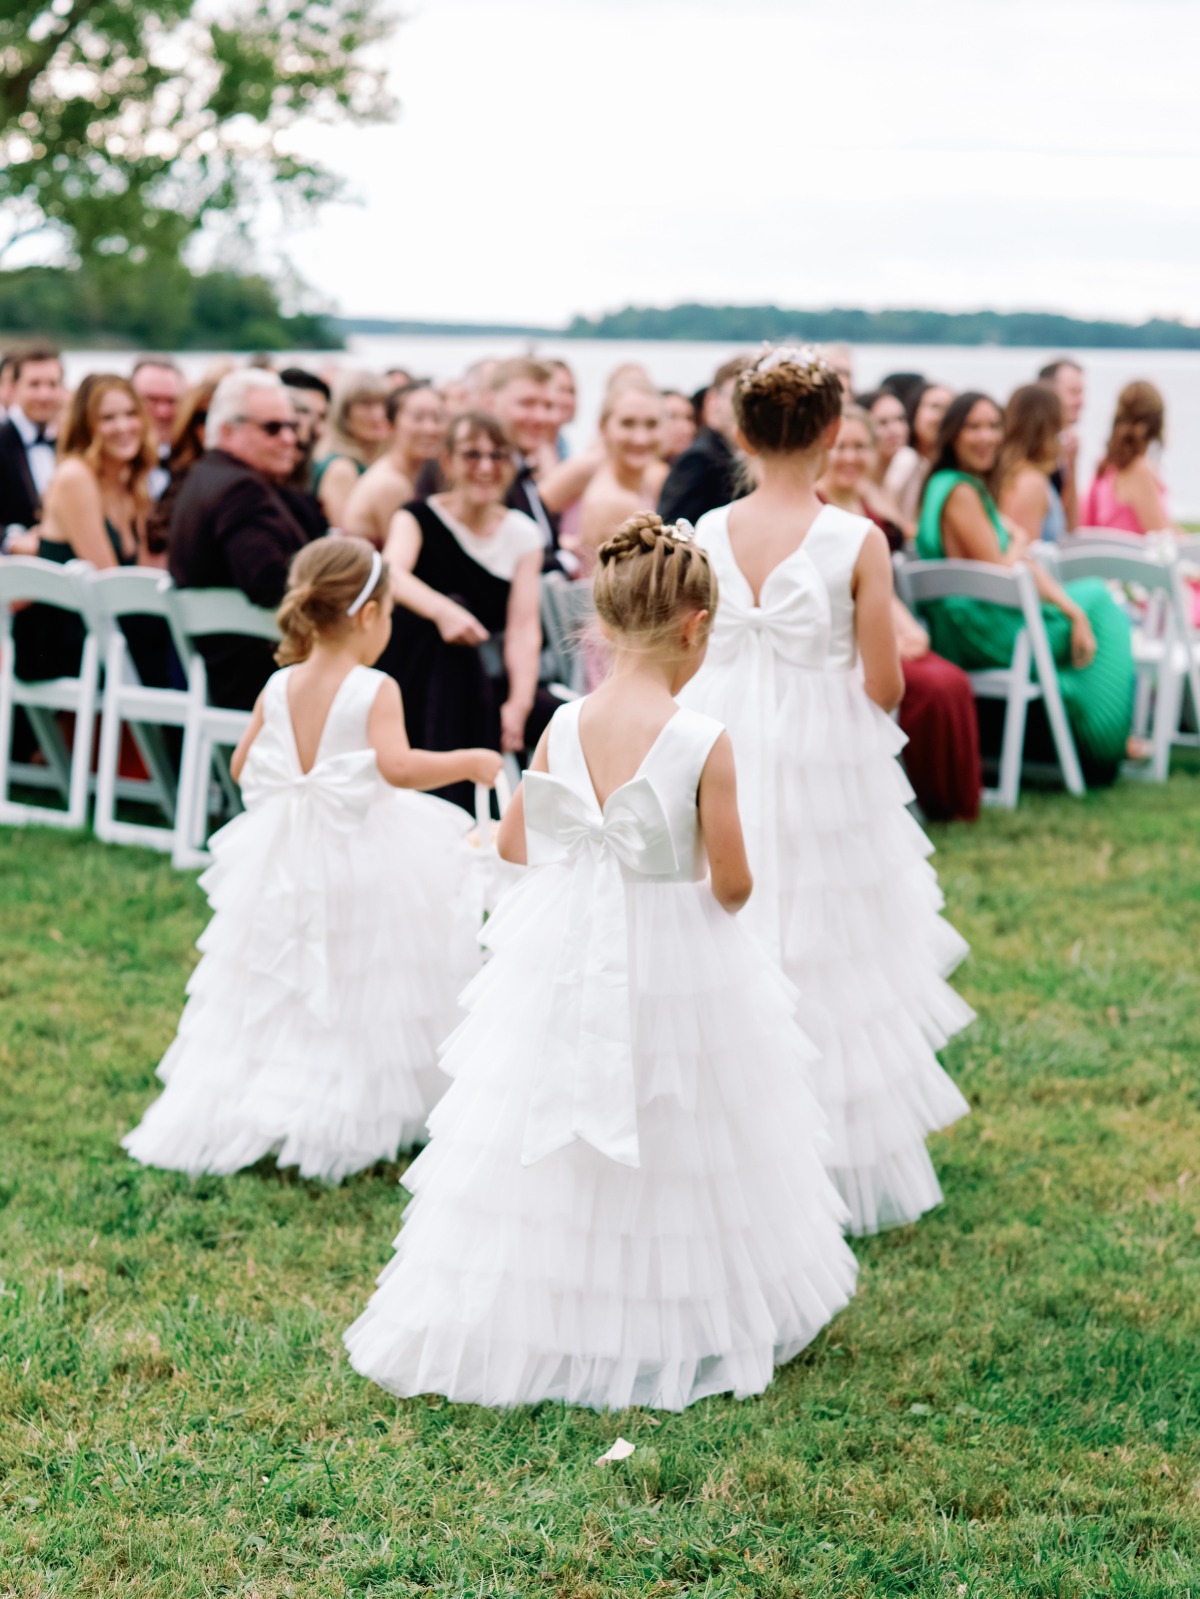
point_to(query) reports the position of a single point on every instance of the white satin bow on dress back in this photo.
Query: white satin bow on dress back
(584, 1087)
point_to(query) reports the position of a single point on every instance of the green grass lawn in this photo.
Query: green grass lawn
(1010, 1406)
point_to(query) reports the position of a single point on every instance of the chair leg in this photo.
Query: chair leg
(110, 738)
(53, 746)
(6, 714)
(185, 797)
(85, 733)
(1168, 707)
(1056, 715)
(153, 750)
(1012, 747)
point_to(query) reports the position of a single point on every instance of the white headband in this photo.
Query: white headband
(369, 586)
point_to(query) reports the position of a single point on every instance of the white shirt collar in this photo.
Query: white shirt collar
(29, 430)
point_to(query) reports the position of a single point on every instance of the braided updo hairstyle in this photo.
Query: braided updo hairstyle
(786, 399)
(324, 580)
(649, 577)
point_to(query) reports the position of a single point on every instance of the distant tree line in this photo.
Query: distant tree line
(747, 324)
(160, 307)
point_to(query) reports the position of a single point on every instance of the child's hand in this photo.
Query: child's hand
(485, 766)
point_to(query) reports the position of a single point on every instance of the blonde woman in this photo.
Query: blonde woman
(96, 510)
(357, 435)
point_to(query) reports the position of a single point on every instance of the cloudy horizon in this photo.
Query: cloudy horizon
(554, 157)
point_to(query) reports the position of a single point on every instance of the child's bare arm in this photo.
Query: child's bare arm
(405, 767)
(247, 738)
(511, 839)
(722, 828)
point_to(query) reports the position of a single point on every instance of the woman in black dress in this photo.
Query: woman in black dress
(466, 634)
(96, 510)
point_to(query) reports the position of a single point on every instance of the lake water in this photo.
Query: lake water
(688, 366)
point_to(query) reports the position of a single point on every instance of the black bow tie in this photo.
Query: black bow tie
(41, 435)
(525, 472)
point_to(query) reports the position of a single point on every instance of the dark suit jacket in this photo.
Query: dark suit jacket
(520, 497)
(231, 528)
(19, 498)
(700, 479)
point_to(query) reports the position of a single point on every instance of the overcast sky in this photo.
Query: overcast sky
(555, 156)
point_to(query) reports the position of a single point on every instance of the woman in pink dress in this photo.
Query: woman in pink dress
(1126, 493)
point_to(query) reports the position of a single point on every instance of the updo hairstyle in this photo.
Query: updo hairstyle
(648, 578)
(1137, 424)
(324, 580)
(786, 400)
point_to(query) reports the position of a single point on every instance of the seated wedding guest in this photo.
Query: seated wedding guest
(1065, 377)
(232, 527)
(1025, 490)
(418, 418)
(678, 427)
(564, 396)
(466, 636)
(841, 358)
(925, 408)
(95, 510)
(905, 386)
(1088, 632)
(356, 436)
(1127, 492)
(7, 365)
(937, 713)
(894, 457)
(706, 474)
(632, 474)
(28, 435)
(187, 446)
(310, 397)
(159, 384)
(519, 399)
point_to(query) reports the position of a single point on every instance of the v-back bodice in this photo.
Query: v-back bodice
(649, 823)
(805, 610)
(344, 770)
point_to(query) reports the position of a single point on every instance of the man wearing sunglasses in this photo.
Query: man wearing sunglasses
(232, 526)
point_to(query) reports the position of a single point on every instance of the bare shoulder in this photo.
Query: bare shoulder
(75, 475)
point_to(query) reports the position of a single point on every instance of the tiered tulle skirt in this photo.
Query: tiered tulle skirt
(575, 1278)
(328, 980)
(846, 898)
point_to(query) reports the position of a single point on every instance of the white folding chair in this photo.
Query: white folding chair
(209, 730)
(566, 610)
(1165, 652)
(28, 579)
(919, 582)
(145, 709)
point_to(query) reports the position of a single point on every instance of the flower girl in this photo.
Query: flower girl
(326, 982)
(623, 1200)
(803, 669)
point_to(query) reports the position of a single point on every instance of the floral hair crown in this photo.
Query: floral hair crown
(805, 356)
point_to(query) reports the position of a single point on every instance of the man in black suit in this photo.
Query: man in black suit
(519, 398)
(706, 474)
(231, 526)
(27, 437)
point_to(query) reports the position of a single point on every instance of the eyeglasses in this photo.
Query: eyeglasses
(477, 457)
(271, 429)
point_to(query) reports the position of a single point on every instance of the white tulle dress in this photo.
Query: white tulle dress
(623, 1201)
(330, 968)
(844, 895)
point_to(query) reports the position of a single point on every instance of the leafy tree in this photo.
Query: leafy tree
(125, 123)
(158, 305)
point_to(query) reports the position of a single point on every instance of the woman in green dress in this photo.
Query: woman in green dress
(1088, 631)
